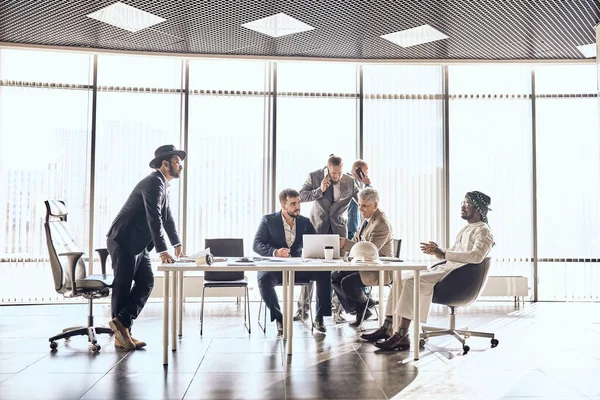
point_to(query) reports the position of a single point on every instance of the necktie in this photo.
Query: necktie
(362, 228)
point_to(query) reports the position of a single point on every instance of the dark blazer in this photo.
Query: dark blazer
(270, 235)
(138, 224)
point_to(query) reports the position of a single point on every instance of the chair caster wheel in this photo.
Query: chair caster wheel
(422, 343)
(53, 345)
(96, 348)
(466, 349)
(494, 342)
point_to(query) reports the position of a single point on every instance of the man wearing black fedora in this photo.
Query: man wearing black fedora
(136, 230)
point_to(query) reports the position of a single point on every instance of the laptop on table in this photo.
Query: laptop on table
(313, 245)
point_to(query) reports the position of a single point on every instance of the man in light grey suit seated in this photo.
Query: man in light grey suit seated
(375, 228)
(331, 192)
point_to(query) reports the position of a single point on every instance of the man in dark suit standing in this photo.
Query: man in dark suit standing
(136, 230)
(280, 235)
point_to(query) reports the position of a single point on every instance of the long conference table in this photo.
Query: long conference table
(173, 282)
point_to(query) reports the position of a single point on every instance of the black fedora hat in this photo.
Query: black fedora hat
(165, 151)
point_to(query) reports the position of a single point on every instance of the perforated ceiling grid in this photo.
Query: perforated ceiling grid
(483, 29)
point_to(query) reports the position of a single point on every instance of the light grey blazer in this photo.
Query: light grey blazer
(324, 214)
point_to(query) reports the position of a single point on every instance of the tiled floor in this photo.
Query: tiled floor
(546, 351)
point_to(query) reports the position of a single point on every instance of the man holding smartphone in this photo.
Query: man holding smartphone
(331, 192)
(360, 173)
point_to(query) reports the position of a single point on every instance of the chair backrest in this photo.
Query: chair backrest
(225, 247)
(462, 286)
(397, 246)
(59, 239)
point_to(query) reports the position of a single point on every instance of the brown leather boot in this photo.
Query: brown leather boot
(122, 336)
(138, 343)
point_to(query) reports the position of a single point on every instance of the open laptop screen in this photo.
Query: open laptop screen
(313, 246)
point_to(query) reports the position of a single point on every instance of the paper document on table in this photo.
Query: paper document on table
(195, 256)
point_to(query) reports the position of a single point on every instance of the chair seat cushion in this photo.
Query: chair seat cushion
(97, 281)
(236, 283)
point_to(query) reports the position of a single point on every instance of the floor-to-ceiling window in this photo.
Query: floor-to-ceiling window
(45, 121)
(316, 116)
(490, 150)
(138, 110)
(568, 177)
(228, 126)
(403, 144)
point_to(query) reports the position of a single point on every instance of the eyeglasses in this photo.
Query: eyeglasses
(467, 204)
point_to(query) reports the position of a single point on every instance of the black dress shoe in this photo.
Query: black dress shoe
(279, 325)
(319, 325)
(395, 342)
(381, 333)
(300, 316)
(373, 302)
(359, 319)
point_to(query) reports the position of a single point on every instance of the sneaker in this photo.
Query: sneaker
(319, 325)
(122, 336)
(279, 327)
(358, 320)
(300, 316)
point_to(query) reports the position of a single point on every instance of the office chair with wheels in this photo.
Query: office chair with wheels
(69, 272)
(212, 279)
(460, 288)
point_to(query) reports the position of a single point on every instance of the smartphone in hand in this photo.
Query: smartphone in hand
(326, 172)
(360, 173)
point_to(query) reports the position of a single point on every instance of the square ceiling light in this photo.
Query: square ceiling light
(413, 36)
(126, 17)
(278, 25)
(588, 50)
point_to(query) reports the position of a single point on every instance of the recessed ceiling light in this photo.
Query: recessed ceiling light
(588, 50)
(413, 36)
(278, 25)
(126, 17)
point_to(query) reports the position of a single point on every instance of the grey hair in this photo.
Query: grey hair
(369, 195)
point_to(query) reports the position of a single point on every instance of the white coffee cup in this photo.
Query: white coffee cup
(328, 252)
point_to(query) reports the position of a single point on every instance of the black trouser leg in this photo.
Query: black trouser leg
(352, 287)
(128, 302)
(336, 282)
(266, 287)
(323, 280)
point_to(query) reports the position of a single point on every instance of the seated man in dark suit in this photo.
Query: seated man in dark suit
(280, 235)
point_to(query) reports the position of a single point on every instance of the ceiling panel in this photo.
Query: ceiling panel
(478, 30)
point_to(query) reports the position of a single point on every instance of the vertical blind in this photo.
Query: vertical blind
(235, 118)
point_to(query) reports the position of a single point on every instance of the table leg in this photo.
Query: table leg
(417, 314)
(284, 285)
(174, 302)
(181, 298)
(396, 297)
(166, 275)
(381, 300)
(290, 313)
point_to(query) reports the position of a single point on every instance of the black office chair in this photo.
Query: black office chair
(214, 279)
(460, 288)
(69, 272)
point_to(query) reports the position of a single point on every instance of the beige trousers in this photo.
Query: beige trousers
(404, 308)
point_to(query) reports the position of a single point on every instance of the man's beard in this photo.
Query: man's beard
(173, 172)
(293, 215)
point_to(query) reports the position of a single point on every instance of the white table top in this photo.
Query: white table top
(293, 264)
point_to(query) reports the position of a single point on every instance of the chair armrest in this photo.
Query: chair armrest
(73, 257)
(103, 253)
